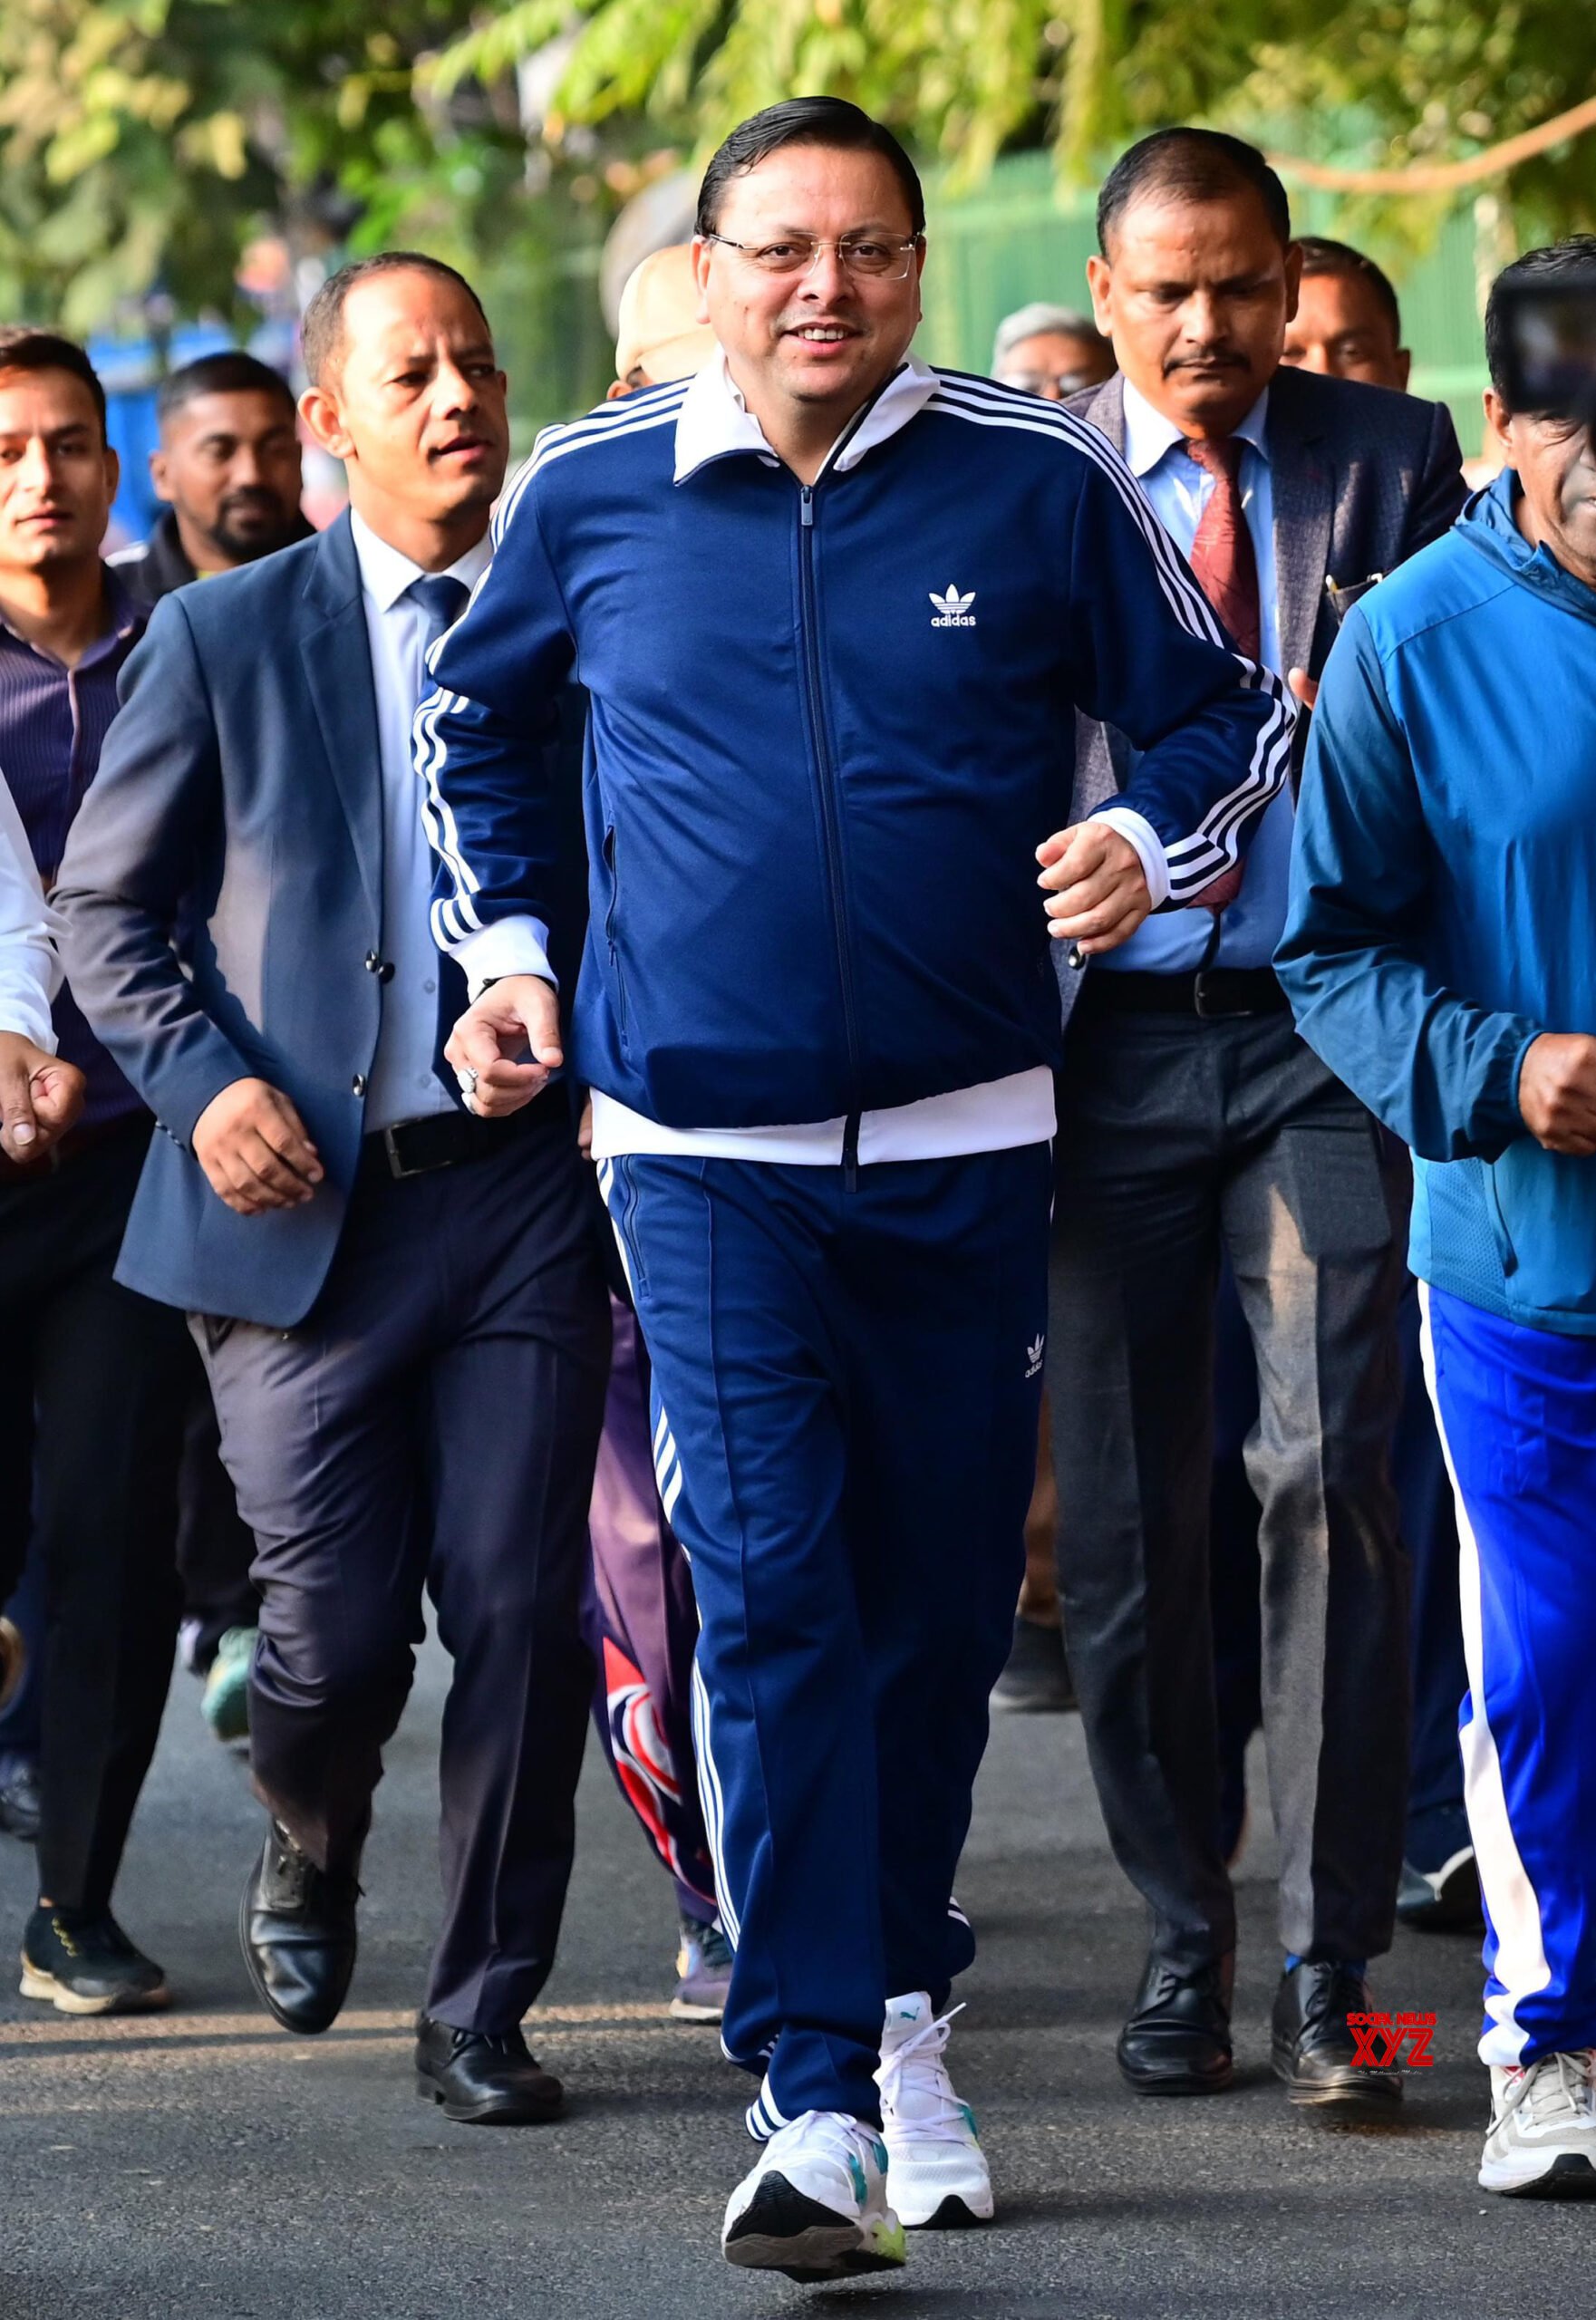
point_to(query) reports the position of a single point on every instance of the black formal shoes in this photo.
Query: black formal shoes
(482, 2078)
(1177, 2039)
(296, 1924)
(1314, 2047)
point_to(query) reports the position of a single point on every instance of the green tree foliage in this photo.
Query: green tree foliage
(146, 140)
(1383, 81)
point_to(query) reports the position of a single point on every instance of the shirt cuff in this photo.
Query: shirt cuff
(510, 946)
(1148, 845)
(25, 1011)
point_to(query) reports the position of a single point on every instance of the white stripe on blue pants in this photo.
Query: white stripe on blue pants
(853, 1377)
(1517, 1414)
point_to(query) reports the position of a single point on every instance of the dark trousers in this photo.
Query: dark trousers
(95, 1378)
(1177, 1135)
(432, 1425)
(216, 1546)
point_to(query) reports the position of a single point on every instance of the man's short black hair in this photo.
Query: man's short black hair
(321, 330)
(1322, 255)
(229, 372)
(829, 122)
(1193, 165)
(1557, 263)
(22, 349)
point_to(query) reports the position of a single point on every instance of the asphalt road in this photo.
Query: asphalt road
(203, 2166)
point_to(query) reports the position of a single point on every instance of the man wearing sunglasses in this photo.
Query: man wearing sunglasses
(834, 611)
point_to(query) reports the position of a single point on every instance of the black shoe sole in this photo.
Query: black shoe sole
(1177, 2082)
(1374, 2094)
(784, 2230)
(301, 2029)
(953, 2216)
(1568, 2178)
(488, 2110)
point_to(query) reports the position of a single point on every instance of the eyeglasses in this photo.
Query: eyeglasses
(1060, 384)
(868, 255)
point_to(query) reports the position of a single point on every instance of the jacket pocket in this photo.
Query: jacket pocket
(611, 934)
(1545, 1206)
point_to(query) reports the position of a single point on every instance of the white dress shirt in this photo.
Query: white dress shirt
(402, 1083)
(1174, 941)
(30, 971)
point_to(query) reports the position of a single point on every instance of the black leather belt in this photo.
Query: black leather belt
(446, 1139)
(1211, 991)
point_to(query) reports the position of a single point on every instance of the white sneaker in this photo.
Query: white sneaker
(935, 2165)
(1542, 2142)
(815, 2207)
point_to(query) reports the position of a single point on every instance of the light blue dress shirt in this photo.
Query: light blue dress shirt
(1172, 942)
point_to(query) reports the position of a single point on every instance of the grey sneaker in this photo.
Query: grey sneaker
(704, 1973)
(1542, 2140)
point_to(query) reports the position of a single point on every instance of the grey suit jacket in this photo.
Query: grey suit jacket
(1362, 478)
(222, 893)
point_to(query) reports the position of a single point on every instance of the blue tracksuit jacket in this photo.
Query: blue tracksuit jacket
(829, 725)
(1444, 893)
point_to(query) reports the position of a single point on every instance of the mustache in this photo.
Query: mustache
(1222, 359)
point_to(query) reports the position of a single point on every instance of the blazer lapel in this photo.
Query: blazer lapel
(1303, 488)
(337, 655)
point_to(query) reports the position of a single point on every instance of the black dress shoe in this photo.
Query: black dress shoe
(1177, 2039)
(297, 1923)
(1312, 2047)
(483, 2078)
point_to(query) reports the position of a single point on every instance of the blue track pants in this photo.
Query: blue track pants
(1517, 1412)
(846, 1385)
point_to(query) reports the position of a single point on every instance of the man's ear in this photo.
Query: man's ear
(113, 471)
(158, 477)
(1404, 367)
(319, 412)
(1499, 419)
(702, 251)
(1099, 275)
(1293, 278)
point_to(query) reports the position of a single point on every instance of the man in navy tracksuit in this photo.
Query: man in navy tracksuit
(1439, 956)
(835, 612)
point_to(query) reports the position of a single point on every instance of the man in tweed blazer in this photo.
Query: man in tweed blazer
(1193, 1124)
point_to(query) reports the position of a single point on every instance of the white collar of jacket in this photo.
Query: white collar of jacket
(714, 422)
(1149, 435)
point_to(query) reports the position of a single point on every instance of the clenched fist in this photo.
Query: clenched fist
(40, 1097)
(1557, 1092)
(254, 1149)
(1096, 888)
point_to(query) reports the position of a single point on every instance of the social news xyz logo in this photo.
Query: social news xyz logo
(1379, 2039)
(952, 611)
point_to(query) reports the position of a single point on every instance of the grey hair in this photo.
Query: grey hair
(1029, 321)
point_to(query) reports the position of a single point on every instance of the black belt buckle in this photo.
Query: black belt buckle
(398, 1166)
(1200, 996)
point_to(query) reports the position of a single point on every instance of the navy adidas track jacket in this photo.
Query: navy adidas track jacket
(829, 726)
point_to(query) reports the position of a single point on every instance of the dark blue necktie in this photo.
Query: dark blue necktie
(443, 600)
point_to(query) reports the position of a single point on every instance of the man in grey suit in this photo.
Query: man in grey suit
(1192, 1122)
(400, 1306)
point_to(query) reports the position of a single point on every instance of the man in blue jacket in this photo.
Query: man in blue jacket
(1438, 956)
(834, 611)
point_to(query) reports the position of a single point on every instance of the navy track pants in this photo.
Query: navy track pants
(846, 1385)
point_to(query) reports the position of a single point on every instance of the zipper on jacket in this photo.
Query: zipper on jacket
(611, 844)
(830, 816)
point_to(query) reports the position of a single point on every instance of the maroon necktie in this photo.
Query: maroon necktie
(1226, 571)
